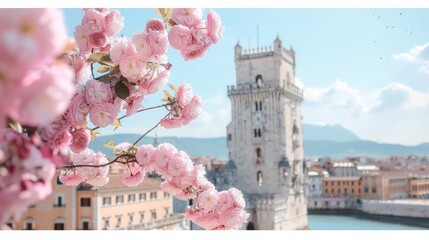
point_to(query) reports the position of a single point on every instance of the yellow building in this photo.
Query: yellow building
(113, 206)
(375, 186)
(419, 188)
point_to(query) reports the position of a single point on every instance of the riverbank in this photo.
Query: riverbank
(409, 221)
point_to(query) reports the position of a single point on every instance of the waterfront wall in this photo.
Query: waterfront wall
(400, 208)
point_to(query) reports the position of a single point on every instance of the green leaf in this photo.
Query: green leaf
(122, 90)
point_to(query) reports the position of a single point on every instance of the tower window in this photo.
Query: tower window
(255, 132)
(258, 152)
(259, 132)
(260, 105)
(256, 106)
(258, 80)
(259, 178)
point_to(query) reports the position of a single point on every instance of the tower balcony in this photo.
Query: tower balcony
(266, 86)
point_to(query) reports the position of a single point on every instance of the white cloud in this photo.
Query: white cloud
(216, 99)
(419, 55)
(339, 94)
(299, 83)
(395, 113)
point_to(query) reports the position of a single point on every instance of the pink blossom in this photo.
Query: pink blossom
(208, 199)
(145, 155)
(201, 36)
(46, 96)
(78, 110)
(193, 51)
(187, 16)
(121, 48)
(70, 177)
(158, 42)
(97, 92)
(132, 68)
(193, 110)
(28, 178)
(49, 132)
(82, 39)
(93, 22)
(205, 220)
(98, 181)
(214, 26)
(174, 122)
(114, 23)
(179, 165)
(62, 139)
(98, 40)
(133, 175)
(80, 66)
(237, 198)
(225, 202)
(81, 138)
(180, 37)
(155, 24)
(150, 86)
(141, 42)
(184, 94)
(133, 104)
(233, 218)
(31, 37)
(172, 189)
(164, 154)
(103, 114)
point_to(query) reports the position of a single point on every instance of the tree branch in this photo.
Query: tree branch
(103, 165)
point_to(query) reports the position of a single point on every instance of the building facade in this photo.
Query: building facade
(342, 186)
(264, 137)
(113, 206)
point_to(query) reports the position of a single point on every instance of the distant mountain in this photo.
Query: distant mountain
(336, 133)
(361, 148)
(319, 141)
(214, 147)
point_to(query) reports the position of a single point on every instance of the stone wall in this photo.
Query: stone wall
(401, 208)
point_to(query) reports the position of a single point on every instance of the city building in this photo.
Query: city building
(419, 188)
(342, 186)
(264, 137)
(375, 186)
(113, 206)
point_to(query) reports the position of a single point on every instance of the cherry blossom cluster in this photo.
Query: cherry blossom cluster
(36, 86)
(212, 210)
(191, 35)
(185, 108)
(25, 175)
(50, 105)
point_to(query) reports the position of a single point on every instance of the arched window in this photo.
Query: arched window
(259, 132)
(255, 132)
(258, 152)
(259, 80)
(260, 105)
(256, 106)
(259, 177)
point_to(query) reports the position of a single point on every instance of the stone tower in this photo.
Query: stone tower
(264, 137)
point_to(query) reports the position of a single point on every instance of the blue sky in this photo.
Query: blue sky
(366, 69)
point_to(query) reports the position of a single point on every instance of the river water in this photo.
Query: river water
(352, 222)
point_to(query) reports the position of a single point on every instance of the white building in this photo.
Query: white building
(315, 180)
(264, 137)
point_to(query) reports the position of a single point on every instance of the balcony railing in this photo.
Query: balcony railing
(155, 224)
